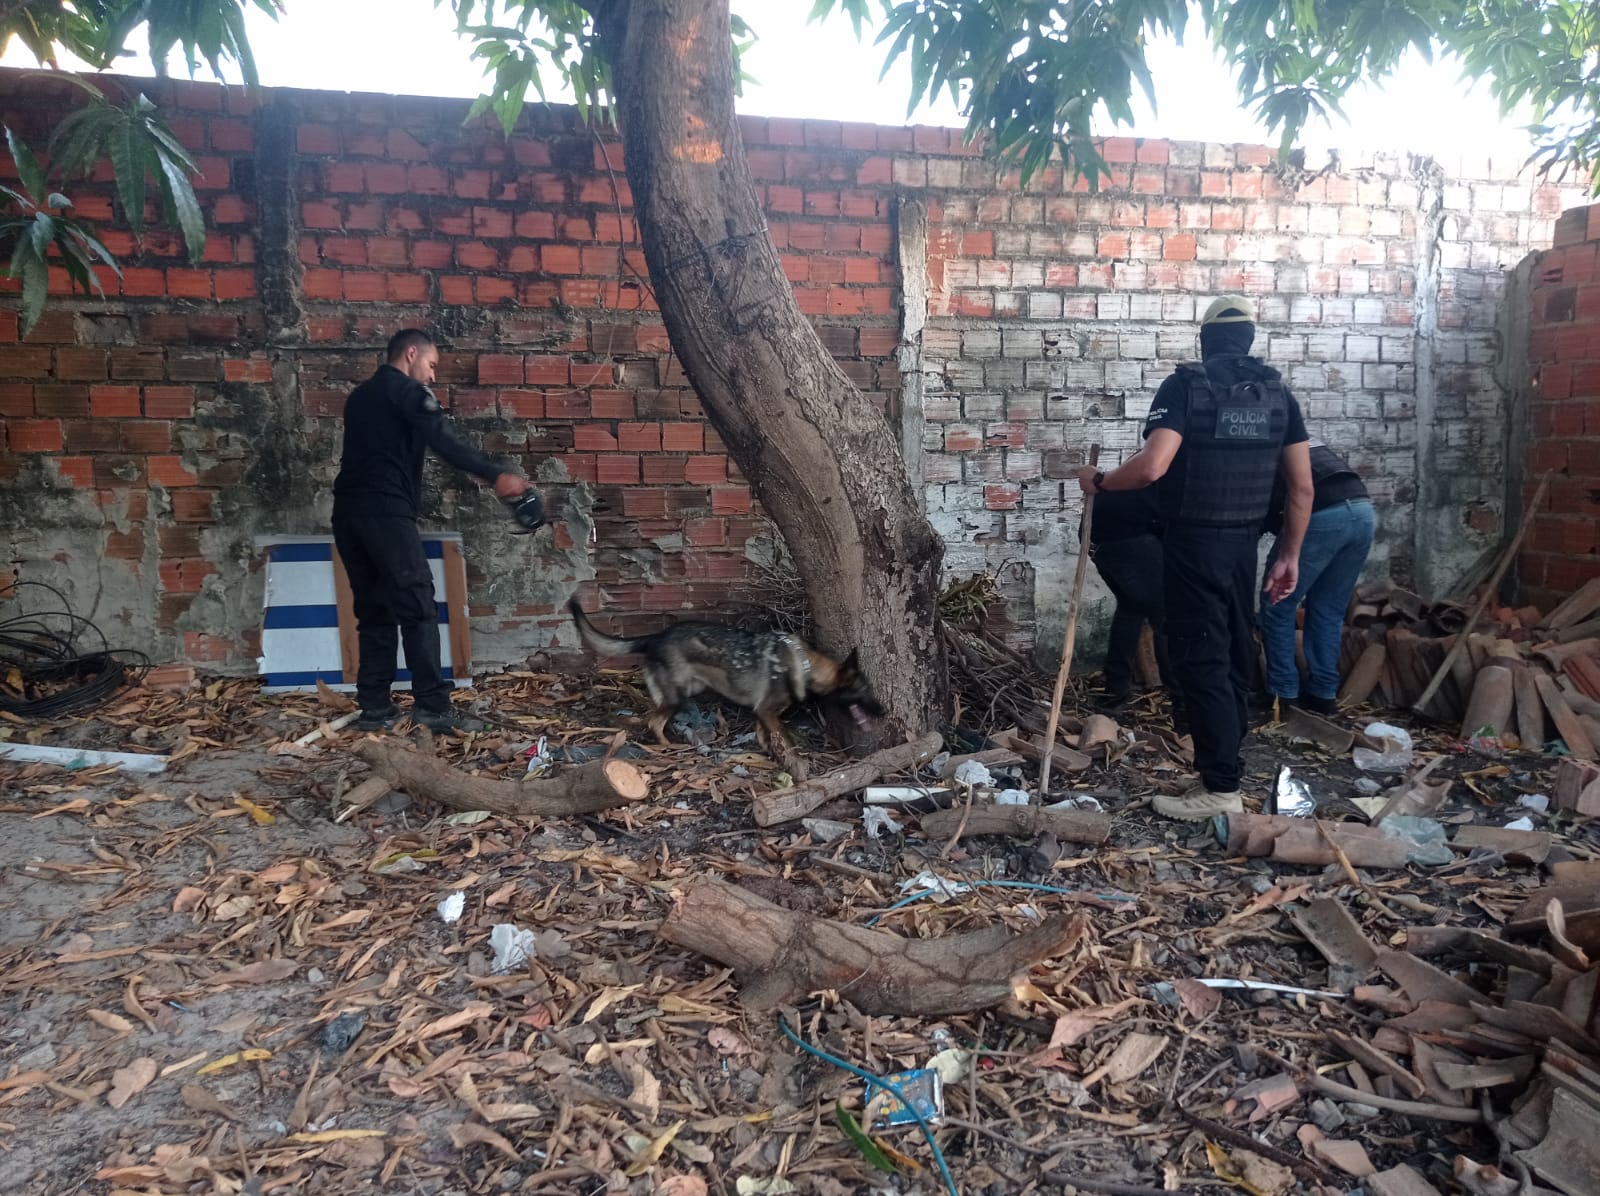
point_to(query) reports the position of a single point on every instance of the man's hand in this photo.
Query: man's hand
(511, 485)
(1282, 578)
(1086, 479)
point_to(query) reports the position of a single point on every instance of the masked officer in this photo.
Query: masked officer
(389, 422)
(1217, 435)
(1338, 539)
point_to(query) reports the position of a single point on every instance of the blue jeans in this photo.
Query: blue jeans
(1335, 549)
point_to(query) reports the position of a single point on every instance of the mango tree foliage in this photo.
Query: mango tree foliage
(147, 160)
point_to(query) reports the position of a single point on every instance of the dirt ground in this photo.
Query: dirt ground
(180, 954)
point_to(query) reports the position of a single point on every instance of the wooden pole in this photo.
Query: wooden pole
(1488, 592)
(1067, 644)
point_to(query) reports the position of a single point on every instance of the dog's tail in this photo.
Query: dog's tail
(597, 641)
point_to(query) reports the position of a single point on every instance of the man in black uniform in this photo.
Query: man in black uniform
(1217, 434)
(389, 422)
(1126, 545)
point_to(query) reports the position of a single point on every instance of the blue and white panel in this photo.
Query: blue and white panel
(300, 629)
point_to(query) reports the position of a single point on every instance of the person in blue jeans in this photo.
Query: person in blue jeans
(1335, 549)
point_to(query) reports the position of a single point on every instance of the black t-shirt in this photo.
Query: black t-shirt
(1171, 406)
(390, 421)
(1124, 514)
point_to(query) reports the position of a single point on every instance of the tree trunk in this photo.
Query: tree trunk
(825, 465)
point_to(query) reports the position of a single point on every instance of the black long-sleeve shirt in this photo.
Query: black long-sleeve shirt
(390, 421)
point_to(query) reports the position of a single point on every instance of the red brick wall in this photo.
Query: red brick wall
(149, 436)
(155, 404)
(1562, 550)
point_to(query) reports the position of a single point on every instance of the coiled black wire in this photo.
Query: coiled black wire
(61, 662)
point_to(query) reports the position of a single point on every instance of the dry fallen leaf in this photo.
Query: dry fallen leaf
(253, 1055)
(681, 1185)
(127, 1082)
(467, 1133)
(335, 1135)
(646, 1088)
(262, 972)
(258, 815)
(202, 1100)
(1199, 1000)
(1134, 1054)
(110, 1021)
(606, 999)
(647, 1158)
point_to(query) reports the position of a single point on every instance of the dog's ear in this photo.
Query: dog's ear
(852, 664)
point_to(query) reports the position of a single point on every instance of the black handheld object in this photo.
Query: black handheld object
(527, 509)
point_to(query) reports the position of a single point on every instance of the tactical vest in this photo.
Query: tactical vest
(1325, 464)
(1231, 446)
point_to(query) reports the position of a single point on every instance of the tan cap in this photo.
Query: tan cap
(1230, 309)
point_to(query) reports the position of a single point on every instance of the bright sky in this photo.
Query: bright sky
(821, 71)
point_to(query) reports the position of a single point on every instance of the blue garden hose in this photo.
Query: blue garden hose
(888, 1086)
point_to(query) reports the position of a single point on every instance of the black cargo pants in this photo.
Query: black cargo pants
(1210, 575)
(392, 592)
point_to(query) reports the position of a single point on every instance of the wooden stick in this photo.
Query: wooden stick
(1071, 639)
(1393, 1104)
(785, 805)
(1483, 600)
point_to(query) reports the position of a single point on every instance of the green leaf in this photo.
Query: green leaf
(862, 1141)
(127, 166)
(180, 195)
(35, 283)
(27, 165)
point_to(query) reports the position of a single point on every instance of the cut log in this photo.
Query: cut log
(597, 785)
(1068, 826)
(1580, 606)
(1363, 677)
(785, 805)
(1530, 709)
(1579, 745)
(1493, 697)
(779, 955)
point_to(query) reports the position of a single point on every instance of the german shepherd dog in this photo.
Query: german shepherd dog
(763, 671)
